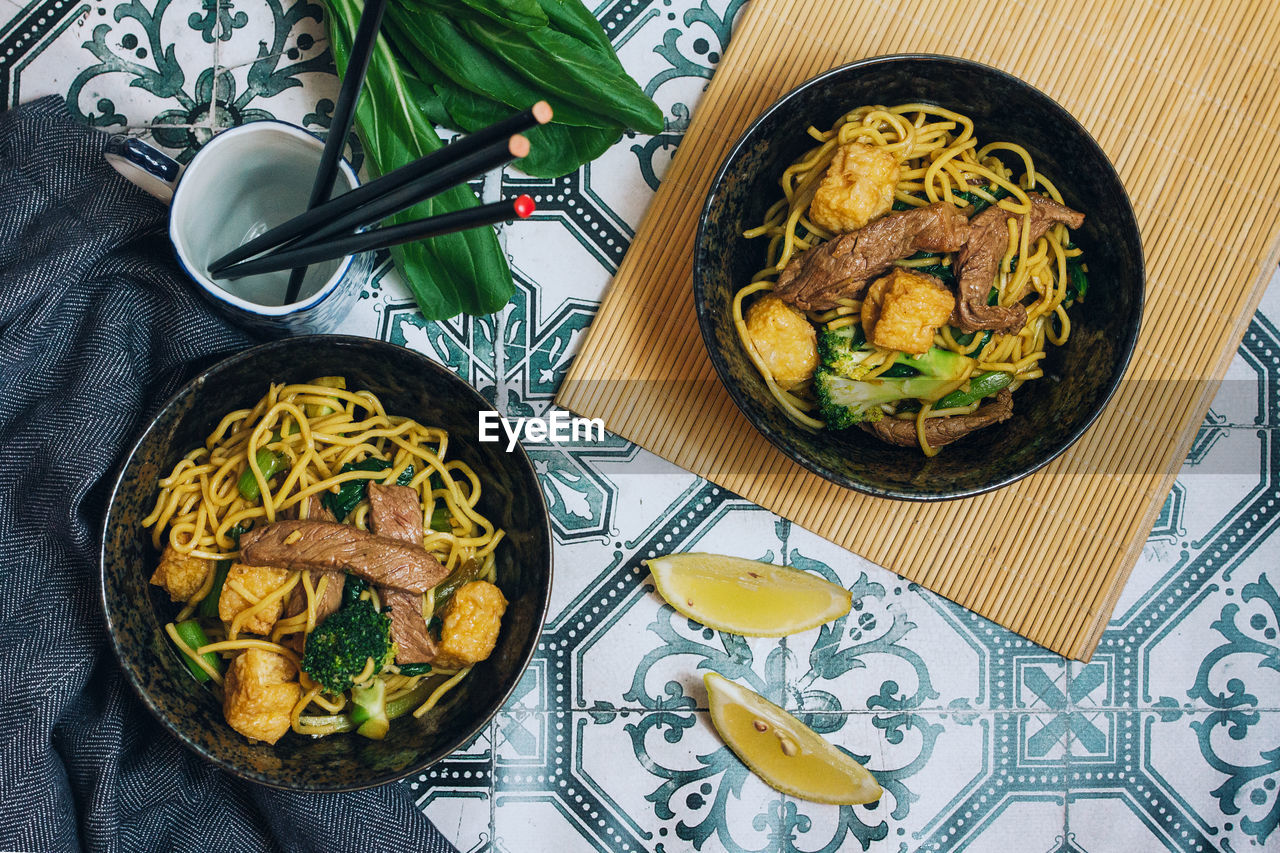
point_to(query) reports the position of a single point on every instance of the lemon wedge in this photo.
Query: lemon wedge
(747, 597)
(784, 752)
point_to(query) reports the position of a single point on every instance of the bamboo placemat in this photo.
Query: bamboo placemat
(1181, 95)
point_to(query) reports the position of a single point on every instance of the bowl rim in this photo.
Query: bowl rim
(126, 664)
(779, 440)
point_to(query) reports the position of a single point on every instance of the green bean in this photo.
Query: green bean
(194, 636)
(981, 386)
(464, 574)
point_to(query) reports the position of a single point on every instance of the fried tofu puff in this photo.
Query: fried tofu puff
(258, 581)
(470, 629)
(857, 188)
(261, 689)
(903, 309)
(784, 338)
(181, 575)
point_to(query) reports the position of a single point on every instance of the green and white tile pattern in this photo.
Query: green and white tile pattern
(1168, 740)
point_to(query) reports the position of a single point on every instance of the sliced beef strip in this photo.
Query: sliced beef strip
(297, 600)
(408, 628)
(316, 510)
(977, 262)
(843, 267)
(396, 513)
(331, 547)
(942, 431)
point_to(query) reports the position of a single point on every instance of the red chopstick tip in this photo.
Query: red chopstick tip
(518, 146)
(541, 112)
(524, 206)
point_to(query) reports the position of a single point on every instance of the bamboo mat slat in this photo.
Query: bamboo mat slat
(1181, 95)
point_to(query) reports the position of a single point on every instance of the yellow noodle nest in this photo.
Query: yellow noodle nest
(199, 505)
(937, 157)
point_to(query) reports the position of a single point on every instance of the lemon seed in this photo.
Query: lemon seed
(761, 726)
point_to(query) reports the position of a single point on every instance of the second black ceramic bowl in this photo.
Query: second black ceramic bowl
(1048, 414)
(407, 384)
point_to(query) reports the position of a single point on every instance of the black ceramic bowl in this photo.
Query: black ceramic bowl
(1049, 414)
(408, 384)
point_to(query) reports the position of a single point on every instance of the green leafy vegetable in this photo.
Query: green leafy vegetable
(966, 338)
(464, 64)
(413, 668)
(555, 149)
(462, 272)
(352, 589)
(517, 14)
(562, 65)
(350, 493)
(432, 45)
(1077, 281)
(573, 18)
(979, 203)
(945, 272)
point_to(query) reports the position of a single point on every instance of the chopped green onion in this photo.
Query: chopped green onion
(270, 463)
(209, 604)
(194, 636)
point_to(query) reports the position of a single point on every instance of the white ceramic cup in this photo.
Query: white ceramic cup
(243, 182)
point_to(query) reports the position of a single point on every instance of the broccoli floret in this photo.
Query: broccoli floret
(845, 402)
(370, 709)
(340, 646)
(937, 363)
(837, 347)
(844, 351)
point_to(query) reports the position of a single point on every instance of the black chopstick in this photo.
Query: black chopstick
(406, 195)
(383, 238)
(539, 113)
(343, 112)
(413, 192)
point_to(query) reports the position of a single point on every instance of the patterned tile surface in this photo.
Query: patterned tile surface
(1168, 740)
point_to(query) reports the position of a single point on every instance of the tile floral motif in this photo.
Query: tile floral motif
(1168, 739)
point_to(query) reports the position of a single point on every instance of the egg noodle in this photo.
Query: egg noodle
(200, 510)
(939, 158)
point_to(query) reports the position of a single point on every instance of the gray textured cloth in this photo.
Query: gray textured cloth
(97, 328)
